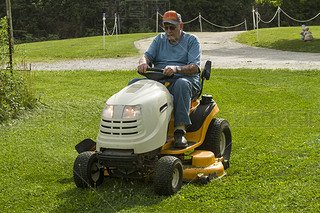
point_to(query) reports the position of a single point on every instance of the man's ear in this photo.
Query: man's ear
(181, 25)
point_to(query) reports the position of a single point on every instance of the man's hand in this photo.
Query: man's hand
(143, 64)
(142, 68)
(170, 70)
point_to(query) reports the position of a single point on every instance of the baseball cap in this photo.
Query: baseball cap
(171, 17)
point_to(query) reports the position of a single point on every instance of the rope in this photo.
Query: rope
(114, 28)
(267, 22)
(225, 27)
(188, 22)
(299, 20)
(199, 16)
(280, 10)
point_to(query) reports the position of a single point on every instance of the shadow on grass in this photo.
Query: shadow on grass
(295, 45)
(114, 195)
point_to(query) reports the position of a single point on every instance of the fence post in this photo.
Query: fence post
(254, 19)
(245, 24)
(279, 16)
(257, 21)
(200, 22)
(104, 30)
(9, 18)
(119, 27)
(157, 21)
(116, 24)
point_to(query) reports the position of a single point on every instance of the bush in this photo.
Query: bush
(4, 42)
(15, 93)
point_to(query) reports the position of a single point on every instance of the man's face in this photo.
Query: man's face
(173, 32)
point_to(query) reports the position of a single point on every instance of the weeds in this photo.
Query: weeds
(15, 88)
(15, 94)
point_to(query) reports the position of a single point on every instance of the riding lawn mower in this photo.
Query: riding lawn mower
(136, 137)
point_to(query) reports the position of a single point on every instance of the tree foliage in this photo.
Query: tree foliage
(36, 20)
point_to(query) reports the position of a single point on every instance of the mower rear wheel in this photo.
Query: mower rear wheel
(168, 175)
(87, 171)
(218, 139)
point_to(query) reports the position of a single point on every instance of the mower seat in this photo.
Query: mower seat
(206, 72)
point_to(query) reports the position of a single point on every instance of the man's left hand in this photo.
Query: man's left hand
(170, 70)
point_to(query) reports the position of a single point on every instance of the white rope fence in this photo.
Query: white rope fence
(257, 19)
(301, 21)
(105, 29)
(268, 22)
(278, 12)
(199, 18)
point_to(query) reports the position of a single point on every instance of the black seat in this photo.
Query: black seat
(206, 72)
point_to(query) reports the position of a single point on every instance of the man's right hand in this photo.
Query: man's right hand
(143, 64)
(142, 68)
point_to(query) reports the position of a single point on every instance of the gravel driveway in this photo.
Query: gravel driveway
(216, 46)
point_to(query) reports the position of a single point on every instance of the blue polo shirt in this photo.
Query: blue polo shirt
(162, 53)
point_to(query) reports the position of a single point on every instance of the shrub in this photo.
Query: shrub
(15, 93)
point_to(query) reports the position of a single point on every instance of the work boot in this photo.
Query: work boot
(180, 140)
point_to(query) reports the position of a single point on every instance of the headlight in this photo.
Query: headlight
(108, 111)
(131, 112)
(121, 111)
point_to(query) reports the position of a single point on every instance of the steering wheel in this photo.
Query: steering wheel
(155, 74)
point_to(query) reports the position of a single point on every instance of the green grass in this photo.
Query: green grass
(283, 38)
(275, 123)
(81, 48)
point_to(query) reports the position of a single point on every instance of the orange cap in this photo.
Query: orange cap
(171, 17)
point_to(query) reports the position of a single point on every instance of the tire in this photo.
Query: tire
(86, 170)
(168, 175)
(204, 180)
(218, 139)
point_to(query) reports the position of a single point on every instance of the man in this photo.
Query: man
(178, 53)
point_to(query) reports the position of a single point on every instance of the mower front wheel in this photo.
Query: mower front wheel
(168, 175)
(87, 171)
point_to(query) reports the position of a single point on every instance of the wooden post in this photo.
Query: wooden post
(257, 21)
(245, 24)
(119, 27)
(116, 25)
(9, 17)
(157, 21)
(279, 16)
(104, 30)
(200, 22)
(254, 19)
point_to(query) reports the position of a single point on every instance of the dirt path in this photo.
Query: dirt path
(216, 46)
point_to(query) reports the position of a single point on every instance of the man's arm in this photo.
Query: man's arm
(143, 64)
(189, 69)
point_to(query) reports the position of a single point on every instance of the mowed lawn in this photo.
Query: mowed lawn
(275, 122)
(80, 48)
(282, 38)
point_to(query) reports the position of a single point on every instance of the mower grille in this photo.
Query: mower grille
(120, 127)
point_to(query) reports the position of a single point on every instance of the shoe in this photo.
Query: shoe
(180, 140)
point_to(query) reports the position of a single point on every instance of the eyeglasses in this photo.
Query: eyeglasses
(170, 27)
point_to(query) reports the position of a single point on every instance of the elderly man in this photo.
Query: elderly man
(178, 53)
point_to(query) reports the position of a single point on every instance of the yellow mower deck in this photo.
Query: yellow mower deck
(204, 163)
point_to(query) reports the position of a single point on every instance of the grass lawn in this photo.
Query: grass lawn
(81, 48)
(275, 123)
(283, 38)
